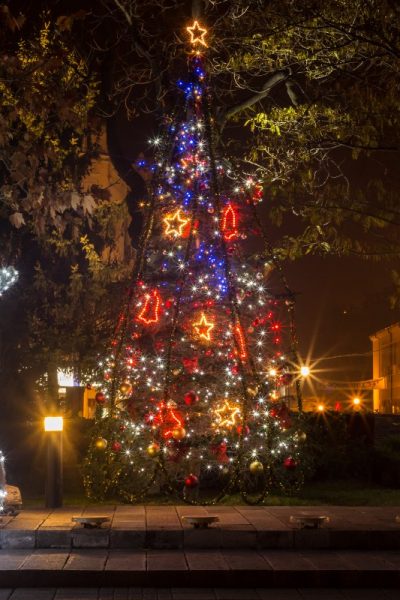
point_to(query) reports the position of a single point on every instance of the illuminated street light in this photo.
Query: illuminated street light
(53, 423)
(356, 402)
(53, 427)
(304, 371)
(321, 407)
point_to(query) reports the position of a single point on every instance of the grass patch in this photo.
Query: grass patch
(339, 493)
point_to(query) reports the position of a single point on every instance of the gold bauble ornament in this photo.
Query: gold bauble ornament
(256, 467)
(252, 391)
(125, 388)
(300, 436)
(101, 444)
(153, 449)
(178, 433)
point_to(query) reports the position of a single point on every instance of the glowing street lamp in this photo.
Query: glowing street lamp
(356, 402)
(53, 423)
(304, 371)
(321, 408)
(53, 427)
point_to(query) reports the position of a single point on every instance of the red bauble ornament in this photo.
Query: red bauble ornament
(190, 398)
(289, 463)
(191, 364)
(245, 429)
(191, 481)
(100, 398)
(116, 447)
(219, 450)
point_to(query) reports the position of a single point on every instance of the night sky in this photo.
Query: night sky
(341, 302)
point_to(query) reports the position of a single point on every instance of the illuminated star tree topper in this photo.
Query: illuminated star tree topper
(197, 34)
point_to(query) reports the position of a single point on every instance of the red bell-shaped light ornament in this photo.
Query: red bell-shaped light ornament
(150, 311)
(229, 223)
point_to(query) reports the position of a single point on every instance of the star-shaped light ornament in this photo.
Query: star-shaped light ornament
(227, 415)
(203, 328)
(175, 224)
(197, 34)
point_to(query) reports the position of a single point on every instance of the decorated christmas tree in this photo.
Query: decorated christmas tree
(196, 387)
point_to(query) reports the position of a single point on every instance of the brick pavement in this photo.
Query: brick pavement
(197, 594)
(161, 527)
(200, 568)
(157, 556)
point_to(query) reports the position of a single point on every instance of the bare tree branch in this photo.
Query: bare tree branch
(124, 11)
(197, 9)
(273, 81)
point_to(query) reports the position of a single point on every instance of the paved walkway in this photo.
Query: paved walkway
(199, 568)
(198, 594)
(151, 547)
(161, 527)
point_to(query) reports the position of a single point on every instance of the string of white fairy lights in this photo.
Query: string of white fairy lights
(8, 276)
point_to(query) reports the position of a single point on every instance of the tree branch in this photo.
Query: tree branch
(274, 80)
(197, 9)
(124, 11)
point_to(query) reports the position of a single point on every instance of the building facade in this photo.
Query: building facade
(386, 369)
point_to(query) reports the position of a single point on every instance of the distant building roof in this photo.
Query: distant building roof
(388, 328)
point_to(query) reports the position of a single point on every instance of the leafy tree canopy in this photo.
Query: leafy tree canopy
(309, 87)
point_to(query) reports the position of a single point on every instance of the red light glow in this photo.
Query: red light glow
(150, 312)
(229, 223)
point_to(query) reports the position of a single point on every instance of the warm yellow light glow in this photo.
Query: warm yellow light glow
(65, 378)
(227, 415)
(53, 423)
(304, 371)
(321, 407)
(175, 223)
(356, 401)
(203, 328)
(197, 34)
(272, 372)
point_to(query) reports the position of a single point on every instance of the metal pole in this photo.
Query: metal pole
(54, 474)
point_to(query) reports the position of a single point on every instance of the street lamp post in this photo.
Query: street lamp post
(53, 427)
